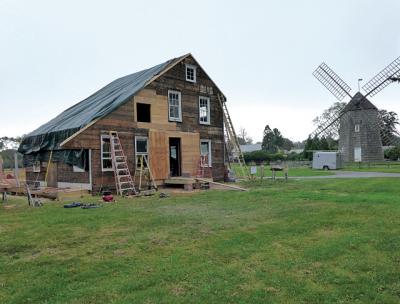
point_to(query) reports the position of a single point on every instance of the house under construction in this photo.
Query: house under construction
(170, 115)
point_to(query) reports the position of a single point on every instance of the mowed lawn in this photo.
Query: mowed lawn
(292, 172)
(309, 241)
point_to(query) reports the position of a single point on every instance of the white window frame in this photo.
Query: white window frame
(179, 119)
(194, 68)
(208, 110)
(357, 128)
(36, 166)
(76, 169)
(101, 155)
(209, 150)
(147, 145)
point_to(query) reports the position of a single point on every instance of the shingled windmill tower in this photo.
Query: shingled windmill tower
(360, 131)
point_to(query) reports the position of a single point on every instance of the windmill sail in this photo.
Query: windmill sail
(383, 78)
(332, 81)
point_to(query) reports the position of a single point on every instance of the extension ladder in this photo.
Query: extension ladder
(143, 171)
(122, 175)
(232, 144)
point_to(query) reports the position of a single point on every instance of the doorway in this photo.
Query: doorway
(174, 156)
(357, 154)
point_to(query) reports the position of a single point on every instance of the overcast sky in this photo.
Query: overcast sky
(260, 53)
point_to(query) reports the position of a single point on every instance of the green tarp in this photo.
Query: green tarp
(50, 135)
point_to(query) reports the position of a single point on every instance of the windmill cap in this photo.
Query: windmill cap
(359, 102)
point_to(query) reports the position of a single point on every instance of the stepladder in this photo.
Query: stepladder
(143, 177)
(123, 179)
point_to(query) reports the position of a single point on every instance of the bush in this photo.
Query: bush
(393, 153)
(263, 156)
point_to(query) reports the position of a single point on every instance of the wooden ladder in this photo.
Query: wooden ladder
(143, 171)
(231, 138)
(122, 175)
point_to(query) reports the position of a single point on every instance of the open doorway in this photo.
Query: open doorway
(175, 156)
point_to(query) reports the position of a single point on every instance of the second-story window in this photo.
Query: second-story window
(357, 128)
(204, 110)
(174, 106)
(190, 73)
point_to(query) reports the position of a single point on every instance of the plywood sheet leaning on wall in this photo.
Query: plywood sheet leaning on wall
(159, 152)
(190, 153)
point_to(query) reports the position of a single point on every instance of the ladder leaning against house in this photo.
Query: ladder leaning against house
(232, 144)
(123, 178)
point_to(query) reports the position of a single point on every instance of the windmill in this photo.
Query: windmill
(360, 129)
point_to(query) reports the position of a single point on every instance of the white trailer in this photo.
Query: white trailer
(327, 160)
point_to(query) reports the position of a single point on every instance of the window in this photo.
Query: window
(190, 73)
(204, 110)
(141, 147)
(143, 112)
(205, 151)
(357, 128)
(36, 166)
(174, 105)
(106, 161)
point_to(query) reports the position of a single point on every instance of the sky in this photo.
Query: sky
(261, 54)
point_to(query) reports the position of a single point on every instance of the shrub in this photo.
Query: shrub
(393, 153)
(263, 156)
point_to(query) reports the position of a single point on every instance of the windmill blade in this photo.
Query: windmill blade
(325, 127)
(332, 81)
(388, 75)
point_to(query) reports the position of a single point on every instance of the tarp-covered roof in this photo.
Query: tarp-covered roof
(51, 134)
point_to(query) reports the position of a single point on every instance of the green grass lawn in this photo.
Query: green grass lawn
(308, 241)
(293, 172)
(378, 167)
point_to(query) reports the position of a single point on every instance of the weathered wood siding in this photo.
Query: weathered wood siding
(159, 130)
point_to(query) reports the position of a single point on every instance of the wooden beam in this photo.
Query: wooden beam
(221, 184)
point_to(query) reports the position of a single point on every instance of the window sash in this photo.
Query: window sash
(205, 150)
(106, 160)
(204, 110)
(143, 139)
(190, 73)
(174, 106)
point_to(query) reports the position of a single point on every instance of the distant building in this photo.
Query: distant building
(250, 148)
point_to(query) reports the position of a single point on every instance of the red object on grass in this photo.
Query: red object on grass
(108, 197)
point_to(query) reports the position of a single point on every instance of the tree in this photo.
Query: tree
(268, 140)
(9, 142)
(273, 141)
(243, 137)
(389, 121)
(329, 115)
(287, 144)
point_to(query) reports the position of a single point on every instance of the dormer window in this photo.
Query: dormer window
(190, 73)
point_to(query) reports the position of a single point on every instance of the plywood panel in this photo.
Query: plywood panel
(158, 154)
(190, 153)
